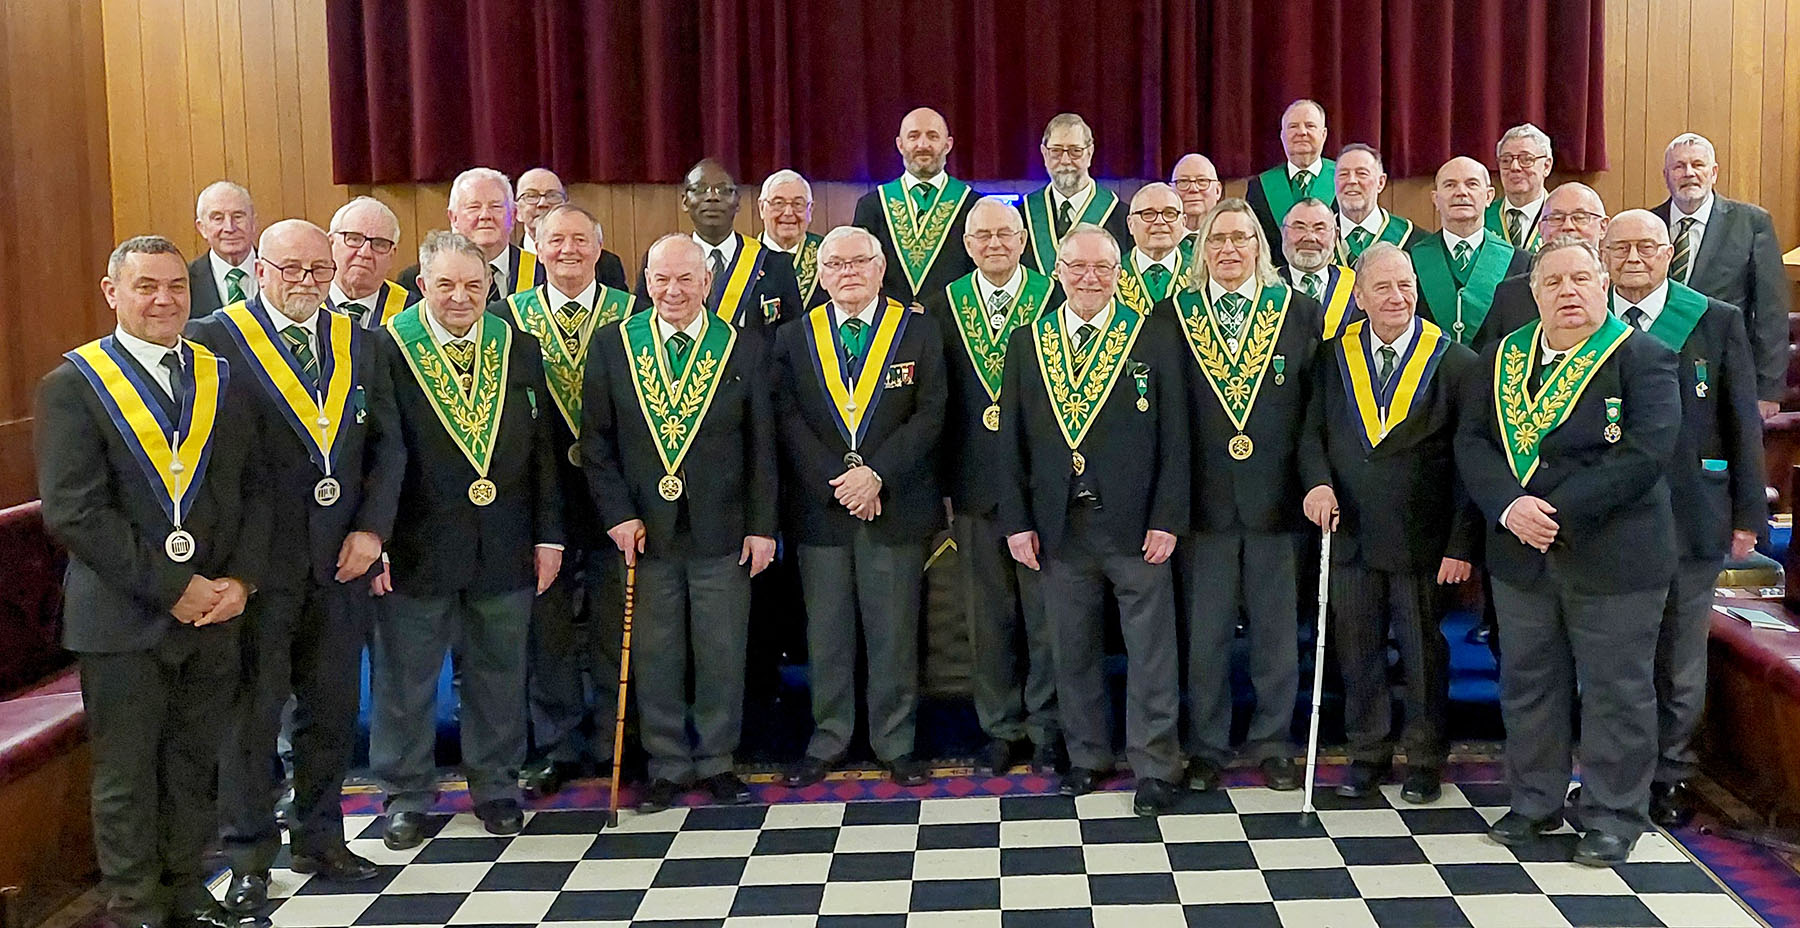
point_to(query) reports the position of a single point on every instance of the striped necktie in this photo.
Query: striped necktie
(1515, 226)
(678, 346)
(1681, 264)
(1358, 239)
(1463, 255)
(300, 343)
(234, 285)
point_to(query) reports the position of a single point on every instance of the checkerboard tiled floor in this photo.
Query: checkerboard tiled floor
(1238, 858)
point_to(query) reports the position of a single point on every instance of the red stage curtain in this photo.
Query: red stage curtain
(637, 90)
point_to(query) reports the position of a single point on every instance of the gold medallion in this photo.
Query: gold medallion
(670, 487)
(327, 491)
(575, 455)
(1240, 447)
(1079, 462)
(1143, 404)
(990, 417)
(482, 492)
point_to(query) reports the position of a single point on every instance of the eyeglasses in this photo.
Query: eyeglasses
(1166, 214)
(547, 198)
(1624, 249)
(1579, 219)
(1234, 239)
(783, 204)
(988, 235)
(1083, 268)
(1194, 183)
(1522, 161)
(295, 273)
(1066, 152)
(1317, 228)
(719, 190)
(355, 240)
(840, 265)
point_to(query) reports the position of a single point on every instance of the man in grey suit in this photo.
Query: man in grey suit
(1727, 250)
(226, 274)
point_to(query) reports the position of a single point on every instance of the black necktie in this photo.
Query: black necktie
(1637, 317)
(1065, 219)
(1548, 364)
(1387, 355)
(356, 311)
(718, 264)
(171, 362)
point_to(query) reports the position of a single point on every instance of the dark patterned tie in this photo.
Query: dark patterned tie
(1085, 338)
(717, 263)
(1680, 264)
(855, 333)
(1543, 371)
(678, 346)
(1515, 226)
(1310, 284)
(234, 285)
(1157, 277)
(357, 312)
(1302, 182)
(1358, 239)
(1462, 254)
(462, 357)
(1231, 314)
(300, 344)
(1065, 219)
(922, 197)
(1386, 371)
(999, 302)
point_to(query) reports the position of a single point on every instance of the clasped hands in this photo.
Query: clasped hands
(859, 491)
(210, 602)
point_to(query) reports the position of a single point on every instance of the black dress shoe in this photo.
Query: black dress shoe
(997, 759)
(212, 916)
(247, 893)
(547, 777)
(808, 771)
(659, 795)
(908, 770)
(1080, 781)
(726, 789)
(1153, 798)
(1048, 759)
(1671, 805)
(336, 865)
(1514, 829)
(1280, 773)
(1202, 775)
(501, 816)
(1599, 849)
(1363, 780)
(1423, 785)
(403, 830)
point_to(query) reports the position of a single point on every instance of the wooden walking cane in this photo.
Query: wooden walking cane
(612, 803)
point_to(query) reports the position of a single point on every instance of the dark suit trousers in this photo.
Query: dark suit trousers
(1366, 603)
(1681, 667)
(307, 642)
(1074, 588)
(874, 587)
(698, 608)
(153, 721)
(577, 627)
(411, 634)
(1221, 574)
(1010, 668)
(1606, 644)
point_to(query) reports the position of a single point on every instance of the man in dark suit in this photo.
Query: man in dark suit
(1525, 160)
(164, 551)
(538, 192)
(1460, 267)
(1094, 443)
(365, 236)
(577, 624)
(1305, 173)
(226, 274)
(1727, 250)
(785, 206)
(1391, 390)
(1361, 221)
(1306, 241)
(1010, 669)
(1564, 449)
(1715, 478)
(860, 392)
(752, 286)
(918, 218)
(1196, 180)
(1254, 422)
(696, 534)
(304, 632)
(481, 210)
(464, 394)
(1072, 197)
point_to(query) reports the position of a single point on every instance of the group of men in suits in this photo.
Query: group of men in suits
(1149, 400)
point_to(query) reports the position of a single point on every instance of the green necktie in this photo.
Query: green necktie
(855, 334)
(1302, 181)
(234, 285)
(1388, 355)
(1358, 239)
(1310, 284)
(1065, 219)
(301, 345)
(1462, 254)
(1515, 226)
(571, 315)
(1684, 250)
(922, 196)
(1084, 344)
(999, 303)
(677, 346)
(1157, 277)
(1231, 313)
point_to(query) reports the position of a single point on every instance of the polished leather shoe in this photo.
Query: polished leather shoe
(908, 770)
(247, 893)
(1280, 773)
(547, 777)
(1599, 849)
(213, 916)
(1363, 780)
(1514, 829)
(659, 795)
(1049, 759)
(808, 771)
(501, 816)
(336, 865)
(1080, 781)
(1202, 775)
(1671, 805)
(1153, 798)
(403, 830)
(726, 789)
(997, 758)
(1423, 785)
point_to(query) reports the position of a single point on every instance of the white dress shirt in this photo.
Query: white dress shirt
(866, 312)
(1399, 344)
(1071, 321)
(1475, 240)
(938, 180)
(1652, 304)
(1078, 202)
(770, 244)
(664, 330)
(727, 249)
(342, 300)
(220, 267)
(1247, 290)
(1532, 211)
(1313, 168)
(148, 354)
(1142, 261)
(527, 244)
(586, 297)
(984, 291)
(498, 267)
(1371, 224)
(1701, 217)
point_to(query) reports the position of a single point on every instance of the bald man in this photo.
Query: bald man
(918, 218)
(1460, 266)
(1197, 181)
(1305, 173)
(1573, 209)
(539, 191)
(1154, 266)
(304, 630)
